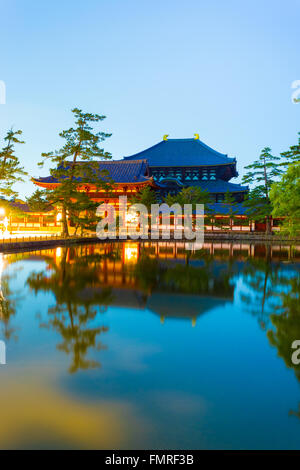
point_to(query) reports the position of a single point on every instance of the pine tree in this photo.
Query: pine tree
(146, 196)
(261, 174)
(10, 169)
(76, 169)
(292, 155)
(38, 201)
(231, 206)
(190, 195)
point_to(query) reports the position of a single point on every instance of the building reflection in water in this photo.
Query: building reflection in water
(167, 279)
(161, 277)
(131, 253)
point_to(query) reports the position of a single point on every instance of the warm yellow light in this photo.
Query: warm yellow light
(2, 211)
(58, 217)
(131, 253)
(58, 252)
(132, 217)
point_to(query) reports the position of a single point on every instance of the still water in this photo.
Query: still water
(150, 346)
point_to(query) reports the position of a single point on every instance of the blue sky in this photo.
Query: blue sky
(220, 69)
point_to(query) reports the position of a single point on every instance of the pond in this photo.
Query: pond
(150, 346)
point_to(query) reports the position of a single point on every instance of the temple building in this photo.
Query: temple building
(129, 177)
(175, 163)
(167, 166)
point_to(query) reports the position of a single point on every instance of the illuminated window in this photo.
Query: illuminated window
(212, 175)
(204, 174)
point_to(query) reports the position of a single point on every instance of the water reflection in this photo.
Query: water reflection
(41, 416)
(165, 278)
(287, 323)
(111, 303)
(261, 278)
(79, 298)
(9, 299)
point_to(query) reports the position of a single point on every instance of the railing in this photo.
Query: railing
(33, 238)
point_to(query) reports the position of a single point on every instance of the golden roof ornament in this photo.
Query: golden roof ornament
(196, 136)
(165, 137)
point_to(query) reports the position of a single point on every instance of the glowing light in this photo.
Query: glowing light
(2, 211)
(58, 217)
(58, 252)
(132, 217)
(131, 253)
(4, 233)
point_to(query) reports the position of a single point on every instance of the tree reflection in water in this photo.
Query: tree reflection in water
(287, 324)
(86, 281)
(261, 277)
(78, 301)
(9, 299)
(187, 278)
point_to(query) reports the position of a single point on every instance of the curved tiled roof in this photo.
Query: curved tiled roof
(220, 186)
(119, 171)
(212, 186)
(182, 152)
(221, 208)
(183, 305)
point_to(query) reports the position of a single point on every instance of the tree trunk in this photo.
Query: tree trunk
(65, 222)
(268, 225)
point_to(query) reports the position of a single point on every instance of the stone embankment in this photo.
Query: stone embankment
(42, 243)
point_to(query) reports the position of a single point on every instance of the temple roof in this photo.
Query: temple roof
(182, 152)
(221, 208)
(119, 171)
(220, 186)
(182, 305)
(212, 186)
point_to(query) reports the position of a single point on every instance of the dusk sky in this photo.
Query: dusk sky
(220, 69)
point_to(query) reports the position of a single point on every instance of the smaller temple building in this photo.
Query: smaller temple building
(129, 177)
